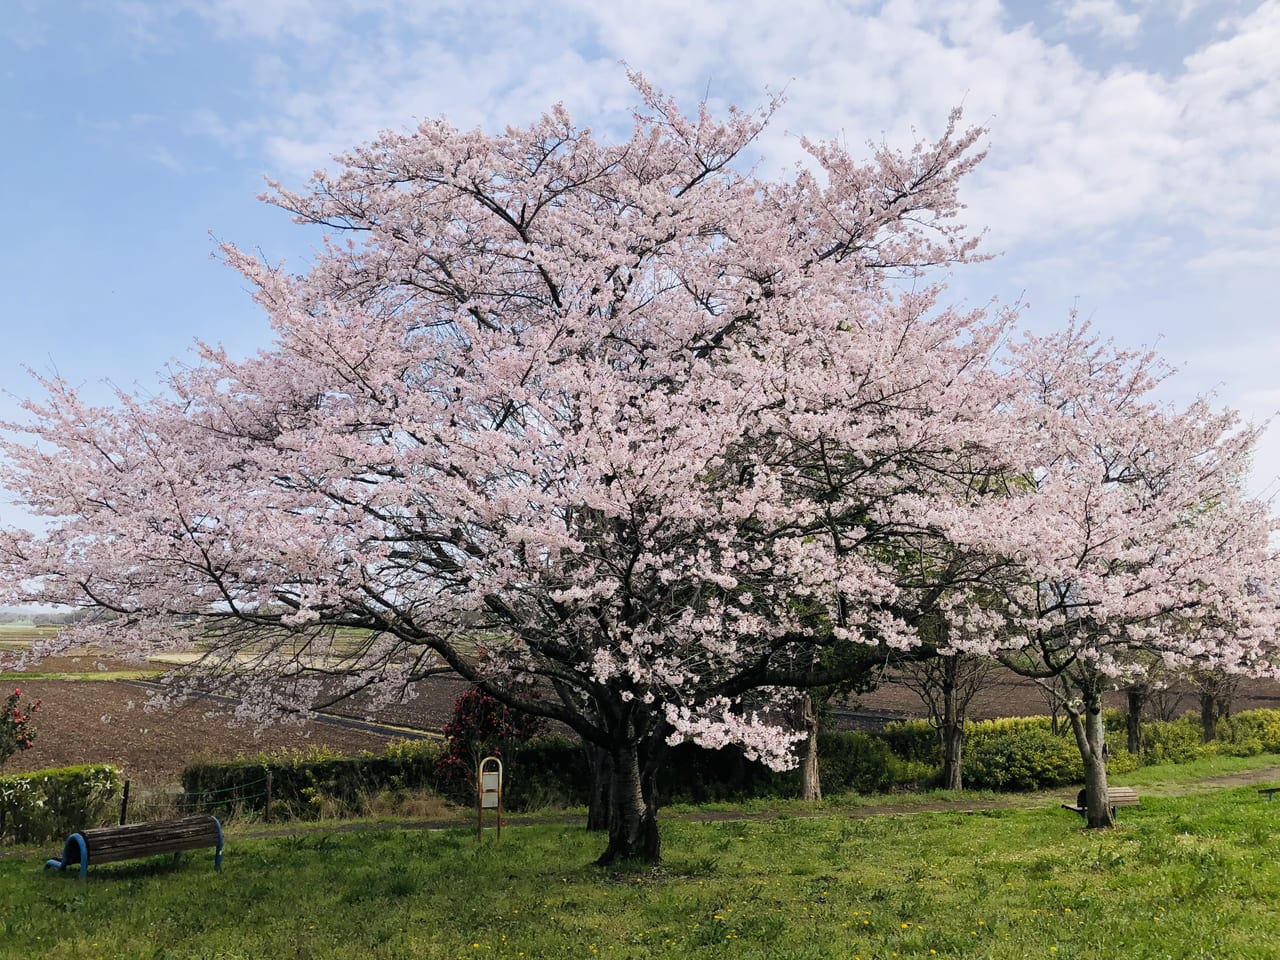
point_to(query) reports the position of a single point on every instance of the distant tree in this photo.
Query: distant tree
(947, 683)
(1127, 541)
(1215, 688)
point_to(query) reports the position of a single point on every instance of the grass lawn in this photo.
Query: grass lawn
(86, 675)
(1183, 877)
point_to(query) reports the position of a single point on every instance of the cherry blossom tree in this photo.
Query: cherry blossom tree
(554, 414)
(1122, 539)
(637, 441)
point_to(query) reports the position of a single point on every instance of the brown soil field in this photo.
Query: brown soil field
(1007, 695)
(106, 721)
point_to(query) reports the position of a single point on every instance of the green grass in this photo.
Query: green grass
(83, 675)
(1178, 775)
(1185, 877)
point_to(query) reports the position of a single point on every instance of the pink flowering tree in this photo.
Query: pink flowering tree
(1119, 541)
(560, 415)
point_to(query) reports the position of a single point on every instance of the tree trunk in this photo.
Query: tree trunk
(1135, 699)
(601, 766)
(1209, 715)
(952, 756)
(810, 779)
(1091, 738)
(952, 741)
(633, 809)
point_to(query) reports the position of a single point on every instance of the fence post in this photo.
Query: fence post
(266, 812)
(124, 805)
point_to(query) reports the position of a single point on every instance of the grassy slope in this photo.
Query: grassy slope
(1185, 877)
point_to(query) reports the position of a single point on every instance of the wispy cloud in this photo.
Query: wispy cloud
(1107, 18)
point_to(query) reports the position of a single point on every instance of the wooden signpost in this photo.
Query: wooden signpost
(488, 793)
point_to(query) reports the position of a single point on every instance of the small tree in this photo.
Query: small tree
(16, 732)
(484, 726)
(1216, 689)
(1128, 540)
(947, 684)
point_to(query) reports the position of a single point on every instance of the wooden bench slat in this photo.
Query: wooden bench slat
(1116, 797)
(130, 841)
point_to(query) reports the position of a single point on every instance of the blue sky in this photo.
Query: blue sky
(1134, 167)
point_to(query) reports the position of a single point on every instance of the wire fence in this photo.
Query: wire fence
(141, 804)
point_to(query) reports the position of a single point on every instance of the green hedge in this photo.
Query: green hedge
(913, 740)
(1250, 733)
(304, 782)
(1016, 753)
(1173, 741)
(51, 804)
(1019, 755)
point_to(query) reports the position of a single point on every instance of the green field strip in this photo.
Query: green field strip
(88, 675)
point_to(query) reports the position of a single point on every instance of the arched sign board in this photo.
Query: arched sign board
(488, 792)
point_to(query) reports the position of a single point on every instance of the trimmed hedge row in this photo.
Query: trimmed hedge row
(545, 772)
(1018, 753)
(1010, 754)
(50, 804)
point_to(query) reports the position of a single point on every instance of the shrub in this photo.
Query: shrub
(858, 762)
(16, 732)
(1250, 732)
(51, 804)
(482, 725)
(1122, 761)
(1173, 741)
(550, 771)
(913, 740)
(1019, 754)
(308, 783)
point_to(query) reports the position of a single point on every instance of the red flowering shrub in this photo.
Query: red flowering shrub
(16, 732)
(482, 726)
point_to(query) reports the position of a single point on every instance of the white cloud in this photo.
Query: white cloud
(1104, 17)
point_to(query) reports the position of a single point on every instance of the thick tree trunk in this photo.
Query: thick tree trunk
(952, 737)
(633, 809)
(1135, 699)
(1209, 715)
(810, 779)
(601, 766)
(1091, 738)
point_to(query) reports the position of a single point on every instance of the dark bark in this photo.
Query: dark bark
(633, 807)
(1216, 689)
(601, 765)
(1209, 715)
(952, 756)
(1135, 700)
(810, 779)
(952, 730)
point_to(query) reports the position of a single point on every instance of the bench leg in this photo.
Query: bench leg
(75, 850)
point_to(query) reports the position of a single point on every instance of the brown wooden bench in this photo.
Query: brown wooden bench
(1116, 797)
(1269, 791)
(127, 842)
